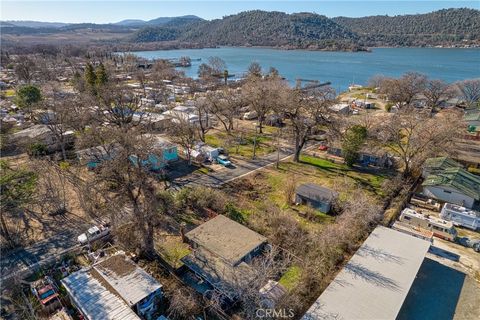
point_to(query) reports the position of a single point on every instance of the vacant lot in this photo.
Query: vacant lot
(271, 184)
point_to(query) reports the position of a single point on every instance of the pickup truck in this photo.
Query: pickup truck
(94, 233)
(223, 160)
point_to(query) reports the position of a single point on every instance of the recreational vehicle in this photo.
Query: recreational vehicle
(440, 228)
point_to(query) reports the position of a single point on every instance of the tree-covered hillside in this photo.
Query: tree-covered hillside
(443, 26)
(261, 28)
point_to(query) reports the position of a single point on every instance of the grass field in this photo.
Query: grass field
(270, 184)
(244, 149)
(172, 249)
(291, 277)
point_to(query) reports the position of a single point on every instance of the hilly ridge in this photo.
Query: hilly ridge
(447, 27)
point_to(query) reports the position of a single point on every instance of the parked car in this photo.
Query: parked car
(94, 233)
(223, 160)
(323, 148)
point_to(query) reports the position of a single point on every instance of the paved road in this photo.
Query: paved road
(224, 175)
(22, 258)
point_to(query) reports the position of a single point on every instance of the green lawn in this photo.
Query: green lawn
(369, 180)
(291, 277)
(245, 149)
(172, 249)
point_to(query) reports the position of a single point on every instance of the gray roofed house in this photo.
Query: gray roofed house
(226, 238)
(222, 251)
(316, 196)
(113, 288)
(376, 280)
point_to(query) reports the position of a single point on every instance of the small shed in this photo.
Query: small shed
(316, 196)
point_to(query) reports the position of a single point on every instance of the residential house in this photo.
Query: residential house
(316, 196)
(376, 280)
(472, 118)
(222, 252)
(461, 216)
(93, 157)
(341, 108)
(114, 288)
(367, 156)
(453, 185)
(40, 133)
(151, 120)
(167, 149)
(436, 165)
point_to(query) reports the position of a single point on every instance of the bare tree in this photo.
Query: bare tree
(183, 132)
(263, 96)
(25, 69)
(307, 111)
(183, 303)
(470, 91)
(402, 91)
(225, 105)
(436, 91)
(414, 136)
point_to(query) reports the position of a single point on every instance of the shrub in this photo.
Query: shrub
(37, 149)
(388, 107)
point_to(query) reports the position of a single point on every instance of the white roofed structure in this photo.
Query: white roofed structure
(376, 280)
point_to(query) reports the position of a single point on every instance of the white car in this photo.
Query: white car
(92, 234)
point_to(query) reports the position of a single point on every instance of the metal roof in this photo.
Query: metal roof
(109, 288)
(131, 282)
(376, 280)
(457, 178)
(94, 300)
(315, 192)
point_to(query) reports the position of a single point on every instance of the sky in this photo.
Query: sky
(107, 11)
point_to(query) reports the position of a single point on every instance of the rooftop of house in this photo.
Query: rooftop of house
(472, 115)
(131, 282)
(441, 163)
(33, 131)
(316, 192)
(457, 178)
(376, 280)
(226, 238)
(109, 288)
(95, 299)
(99, 152)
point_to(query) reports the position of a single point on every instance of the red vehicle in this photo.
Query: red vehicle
(323, 148)
(46, 293)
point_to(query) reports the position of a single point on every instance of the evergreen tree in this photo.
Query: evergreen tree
(90, 77)
(352, 142)
(101, 75)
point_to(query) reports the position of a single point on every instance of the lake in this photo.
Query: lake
(340, 68)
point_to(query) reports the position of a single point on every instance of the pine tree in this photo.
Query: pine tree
(101, 75)
(90, 77)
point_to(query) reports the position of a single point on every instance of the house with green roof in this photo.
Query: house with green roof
(472, 118)
(453, 185)
(439, 164)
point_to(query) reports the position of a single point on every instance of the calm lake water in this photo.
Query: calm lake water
(340, 68)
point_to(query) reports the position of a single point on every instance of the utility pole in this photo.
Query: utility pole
(279, 132)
